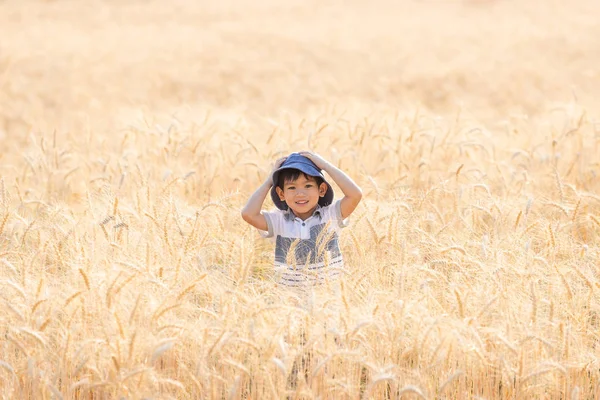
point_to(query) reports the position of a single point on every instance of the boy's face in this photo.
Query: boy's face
(302, 195)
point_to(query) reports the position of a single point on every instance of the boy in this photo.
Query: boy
(305, 230)
(306, 226)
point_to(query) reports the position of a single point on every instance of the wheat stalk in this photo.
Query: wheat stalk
(461, 311)
(564, 281)
(533, 303)
(85, 278)
(3, 223)
(190, 287)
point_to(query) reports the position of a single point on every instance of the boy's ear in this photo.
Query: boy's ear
(279, 193)
(322, 189)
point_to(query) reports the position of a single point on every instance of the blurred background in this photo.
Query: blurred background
(132, 131)
(72, 65)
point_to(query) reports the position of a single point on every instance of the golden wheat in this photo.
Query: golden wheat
(128, 149)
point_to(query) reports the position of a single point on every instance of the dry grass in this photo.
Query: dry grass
(133, 132)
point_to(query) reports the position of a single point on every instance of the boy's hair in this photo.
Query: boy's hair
(291, 174)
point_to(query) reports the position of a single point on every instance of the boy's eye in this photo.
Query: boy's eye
(291, 187)
(309, 186)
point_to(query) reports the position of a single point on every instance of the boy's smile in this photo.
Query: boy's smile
(302, 195)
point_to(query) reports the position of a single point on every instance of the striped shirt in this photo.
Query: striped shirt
(307, 253)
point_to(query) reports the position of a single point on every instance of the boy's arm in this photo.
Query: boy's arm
(352, 193)
(251, 211)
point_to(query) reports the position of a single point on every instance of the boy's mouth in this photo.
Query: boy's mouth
(302, 202)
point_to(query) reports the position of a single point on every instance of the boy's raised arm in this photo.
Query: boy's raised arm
(251, 211)
(352, 193)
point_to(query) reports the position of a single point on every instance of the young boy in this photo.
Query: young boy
(305, 229)
(306, 225)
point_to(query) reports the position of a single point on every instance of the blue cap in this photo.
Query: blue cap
(303, 164)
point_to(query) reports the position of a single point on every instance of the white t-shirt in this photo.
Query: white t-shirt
(307, 253)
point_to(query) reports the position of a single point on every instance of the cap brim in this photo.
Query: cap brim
(307, 167)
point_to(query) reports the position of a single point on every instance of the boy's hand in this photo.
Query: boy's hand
(277, 164)
(251, 211)
(352, 193)
(319, 161)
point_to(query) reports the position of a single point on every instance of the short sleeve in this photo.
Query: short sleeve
(273, 219)
(334, 214)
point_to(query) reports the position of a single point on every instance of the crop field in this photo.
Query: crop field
(133, 132)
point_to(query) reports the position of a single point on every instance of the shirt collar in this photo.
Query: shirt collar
(290, 216)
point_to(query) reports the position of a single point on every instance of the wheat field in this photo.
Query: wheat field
(134, 131)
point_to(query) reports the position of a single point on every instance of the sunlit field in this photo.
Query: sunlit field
(133, 132)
